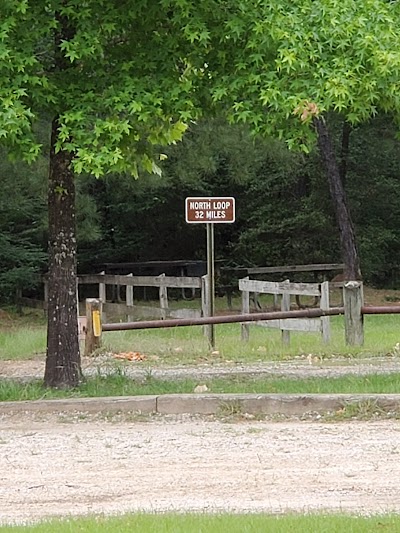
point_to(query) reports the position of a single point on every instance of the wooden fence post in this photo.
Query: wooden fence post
(206, 306)
(129, 298)
(102, 290)
(204, 296)
(325, 320)
(163, 294)
(353, 301)
(93, 325)
(245, 329)
(285, 306)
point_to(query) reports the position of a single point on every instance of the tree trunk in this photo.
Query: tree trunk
(346, 230)
(63, 367)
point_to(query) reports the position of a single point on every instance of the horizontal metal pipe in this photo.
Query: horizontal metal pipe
(380, 310)
(228, 319)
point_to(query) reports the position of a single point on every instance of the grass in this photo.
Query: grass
(25, 337)
(183, 345)
(22, 336)
(119, 384)
(217, 523)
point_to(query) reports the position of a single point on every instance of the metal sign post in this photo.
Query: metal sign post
(211, 280)
(210, 211)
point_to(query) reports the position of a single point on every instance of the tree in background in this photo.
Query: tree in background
(116, 81)
(22, 225)
(295, 62)
(282, 201)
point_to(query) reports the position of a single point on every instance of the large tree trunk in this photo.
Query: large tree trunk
(346, 230)
(63, 367)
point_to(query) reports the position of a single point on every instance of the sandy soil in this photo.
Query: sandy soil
(58, 465)
(296, 368)
(89, 465)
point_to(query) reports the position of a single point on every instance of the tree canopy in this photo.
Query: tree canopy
(300, 58)
(116, 80)
(297, 61)
(119, 79)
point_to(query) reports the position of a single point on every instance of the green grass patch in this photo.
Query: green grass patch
(26, 337)
(184, 345)
(22, 336)
(22, 343)
(120, 384)
(219, 523)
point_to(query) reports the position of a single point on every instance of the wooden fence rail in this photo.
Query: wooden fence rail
(129, 281)
(285, 290)
(353, 311)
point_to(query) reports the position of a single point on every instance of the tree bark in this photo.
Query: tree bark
(348, 244)
(63, 365)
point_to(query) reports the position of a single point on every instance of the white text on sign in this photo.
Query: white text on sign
(210, 210)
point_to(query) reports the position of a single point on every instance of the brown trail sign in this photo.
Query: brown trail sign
(203, 210)
(210, 210)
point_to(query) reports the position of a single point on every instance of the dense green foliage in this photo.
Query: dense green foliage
(266, 65)
(282, 199)
(22, 226)
(284, 212)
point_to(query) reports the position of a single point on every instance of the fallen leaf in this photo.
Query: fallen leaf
(130, 356)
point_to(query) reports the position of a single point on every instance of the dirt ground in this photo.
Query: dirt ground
(60, 465)
(299, 368)
(80, 465)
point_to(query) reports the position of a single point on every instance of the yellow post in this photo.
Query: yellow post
(93, 325)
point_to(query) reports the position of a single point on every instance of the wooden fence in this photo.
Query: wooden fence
(162, 282)
(353, 311)
(285, 290)
(127, 306)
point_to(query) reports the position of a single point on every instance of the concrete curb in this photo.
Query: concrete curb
(137, 404)
(208, 404)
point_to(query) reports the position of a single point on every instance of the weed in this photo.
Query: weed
(360, 410)
(229, 408)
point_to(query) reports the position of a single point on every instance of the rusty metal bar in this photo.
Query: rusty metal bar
(380, 310)
(228, 319)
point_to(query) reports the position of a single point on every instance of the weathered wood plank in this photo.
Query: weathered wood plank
(93, 325)
(285, 306)
(354, 319)
(318, 267)
(271, 287)
(324, 304)
(142, 311)
(293, 324)
(245, 311)
(184, 282)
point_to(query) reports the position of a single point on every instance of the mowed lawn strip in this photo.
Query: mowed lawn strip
(120, 384)
(25, 338)
(217, 523)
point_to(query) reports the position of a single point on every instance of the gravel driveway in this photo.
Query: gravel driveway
(58, 465)
(83, 466)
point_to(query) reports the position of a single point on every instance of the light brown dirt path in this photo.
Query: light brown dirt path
(295, 368)
(88, 466)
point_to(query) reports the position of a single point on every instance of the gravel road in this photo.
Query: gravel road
(60, 465)
(88, 465)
